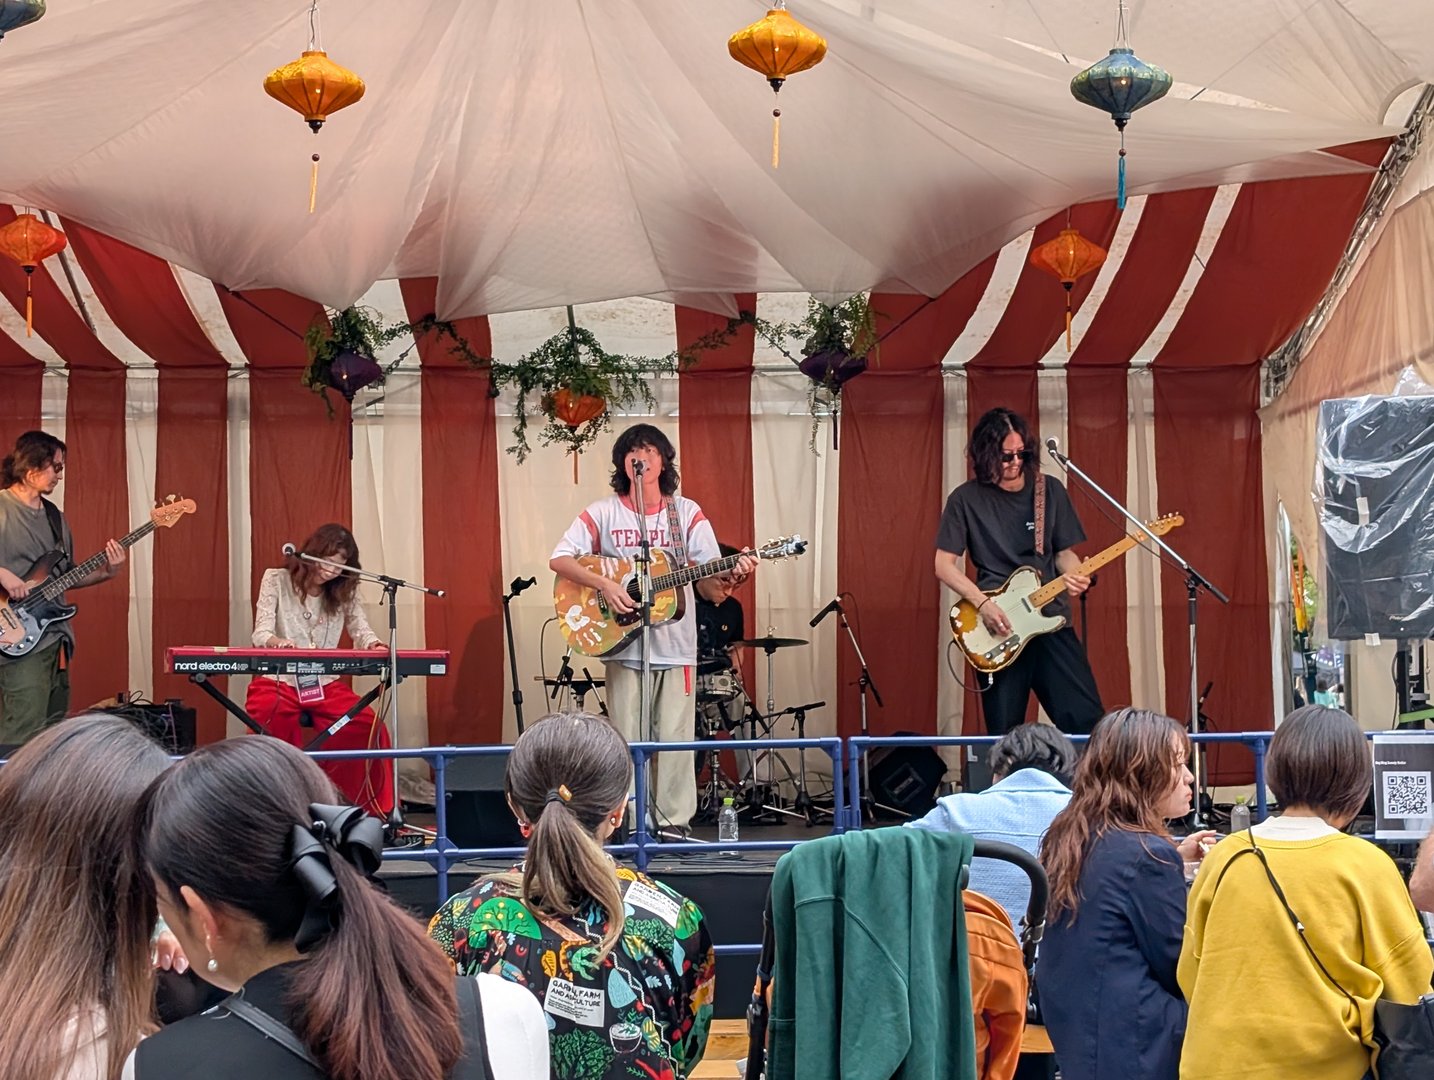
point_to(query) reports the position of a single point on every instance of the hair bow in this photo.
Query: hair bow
(356, 838)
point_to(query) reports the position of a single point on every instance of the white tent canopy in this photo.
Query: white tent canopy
(533, 154)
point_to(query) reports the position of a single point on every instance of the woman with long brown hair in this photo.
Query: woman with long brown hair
(76, 909)
(265, 882)
(623, 965)
(1106, 970)
(307, 605)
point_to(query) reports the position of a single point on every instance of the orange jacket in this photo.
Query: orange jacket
(998, 986)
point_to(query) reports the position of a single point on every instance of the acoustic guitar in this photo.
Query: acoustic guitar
(593, 629)
(23, 622)
(1022, 597)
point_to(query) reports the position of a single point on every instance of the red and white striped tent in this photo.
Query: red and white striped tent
(170, 363)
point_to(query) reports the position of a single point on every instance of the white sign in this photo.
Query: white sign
(640, 894)
(580, 1004)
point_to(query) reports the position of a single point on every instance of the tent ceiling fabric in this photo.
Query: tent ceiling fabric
(580, 150)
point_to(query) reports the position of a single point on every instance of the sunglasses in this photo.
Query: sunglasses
(1008, 456)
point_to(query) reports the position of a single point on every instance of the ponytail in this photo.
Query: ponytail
(566, 774)
(376, 997)
(566, 866)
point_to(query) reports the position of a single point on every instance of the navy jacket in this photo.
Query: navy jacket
(1106, 979)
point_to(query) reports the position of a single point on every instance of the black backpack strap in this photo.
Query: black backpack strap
(271, 1028)
(474, 1064)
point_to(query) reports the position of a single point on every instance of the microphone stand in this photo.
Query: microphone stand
(391, 585)
(1194, 582)
(515, 588)
(865, 685)
(644, 689)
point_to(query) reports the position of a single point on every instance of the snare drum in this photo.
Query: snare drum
(718, 686)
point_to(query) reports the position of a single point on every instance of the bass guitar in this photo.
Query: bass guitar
(1022, 597)
(23, 622)
(594, 629)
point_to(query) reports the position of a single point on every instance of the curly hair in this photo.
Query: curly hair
(1119, 783)
(326, 542)
(1034, 746)
(634, 438)
(984, 449)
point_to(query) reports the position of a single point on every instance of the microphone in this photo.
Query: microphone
(289, 549)
(519, 584)
(638, 466)
(1054, 447)
(835, 605)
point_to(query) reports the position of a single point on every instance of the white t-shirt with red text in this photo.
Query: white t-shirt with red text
(610, 527)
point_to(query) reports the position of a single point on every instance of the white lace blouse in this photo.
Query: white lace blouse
(282, 612)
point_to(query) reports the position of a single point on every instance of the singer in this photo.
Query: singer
(1012, 515)
(643, 455)
(304, 605)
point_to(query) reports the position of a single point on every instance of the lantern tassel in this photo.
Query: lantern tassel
(314, 183)
(29, 309)
(1068, 322)
(1120, 177)
(575, 467)
(776, 137)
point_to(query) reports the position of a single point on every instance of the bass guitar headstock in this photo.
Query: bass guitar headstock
(171, 510)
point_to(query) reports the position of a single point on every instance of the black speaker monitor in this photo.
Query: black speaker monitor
(1376, 458)
(478, 814)
(905, 778)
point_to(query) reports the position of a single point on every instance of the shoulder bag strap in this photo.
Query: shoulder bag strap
(1289, 911)
(474, 1064)
(674, 529)
(271, 1028)
(1040, 513)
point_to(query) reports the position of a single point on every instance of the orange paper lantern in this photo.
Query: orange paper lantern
(574, 410)
(29, 241)
(1068, 258)
(314, 87)
(777, 46)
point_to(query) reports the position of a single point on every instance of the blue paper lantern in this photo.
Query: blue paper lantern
(17, 13)
(1118, 85)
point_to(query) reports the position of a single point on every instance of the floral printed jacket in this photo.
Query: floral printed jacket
(641, 1012)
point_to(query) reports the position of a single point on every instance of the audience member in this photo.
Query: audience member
(1031, 764)
(1106, 971)
(76, 908)
(622, 964)
(1294, 928)
(264, 880)
(1421, 882)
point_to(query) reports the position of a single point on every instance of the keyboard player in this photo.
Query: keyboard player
(305, 605)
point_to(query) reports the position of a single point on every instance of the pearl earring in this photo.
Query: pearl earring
(213, 964)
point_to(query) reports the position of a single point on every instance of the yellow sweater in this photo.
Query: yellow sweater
(1259, 1007)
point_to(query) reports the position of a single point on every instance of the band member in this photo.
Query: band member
(720, 620)
(611, 527)
(993, 518)
(306, 605)
(35, 688)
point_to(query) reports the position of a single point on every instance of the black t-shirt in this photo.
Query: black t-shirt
(998, 527)
(718, 625)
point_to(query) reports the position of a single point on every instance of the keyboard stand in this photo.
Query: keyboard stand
(201, 680)
(358, 706)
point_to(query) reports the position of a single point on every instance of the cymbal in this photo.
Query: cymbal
(769, 643)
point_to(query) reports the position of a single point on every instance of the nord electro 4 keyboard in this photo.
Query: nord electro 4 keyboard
(218, 660)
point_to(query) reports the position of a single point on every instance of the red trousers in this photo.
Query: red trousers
(369, 784)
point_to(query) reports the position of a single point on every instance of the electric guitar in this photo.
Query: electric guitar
(594, 629)
(23, 622)
(1022, 597)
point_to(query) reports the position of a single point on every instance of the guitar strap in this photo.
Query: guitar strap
(57, 525)
(674, 530)
(1040, 513)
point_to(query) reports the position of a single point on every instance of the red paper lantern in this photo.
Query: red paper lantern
(574, 410)
(29, 241)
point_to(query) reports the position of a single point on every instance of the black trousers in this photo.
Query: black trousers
(1055, 666)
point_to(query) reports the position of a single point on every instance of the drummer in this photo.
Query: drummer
(719, 623)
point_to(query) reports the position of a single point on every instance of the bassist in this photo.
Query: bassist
(35, 688)
(994, 518)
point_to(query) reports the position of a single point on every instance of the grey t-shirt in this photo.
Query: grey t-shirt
(998, 527)
(25, 536)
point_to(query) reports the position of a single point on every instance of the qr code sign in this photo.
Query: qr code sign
(1406, 795)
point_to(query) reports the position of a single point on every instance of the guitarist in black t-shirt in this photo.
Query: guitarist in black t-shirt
(994, 519)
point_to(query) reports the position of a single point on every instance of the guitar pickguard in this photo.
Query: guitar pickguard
(986, 651)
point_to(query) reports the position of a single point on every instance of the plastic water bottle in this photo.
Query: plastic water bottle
(727, 822)
(1239, 815)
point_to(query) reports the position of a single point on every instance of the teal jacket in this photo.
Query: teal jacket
(871, 978)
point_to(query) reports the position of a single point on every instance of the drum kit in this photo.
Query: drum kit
(724, 706)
